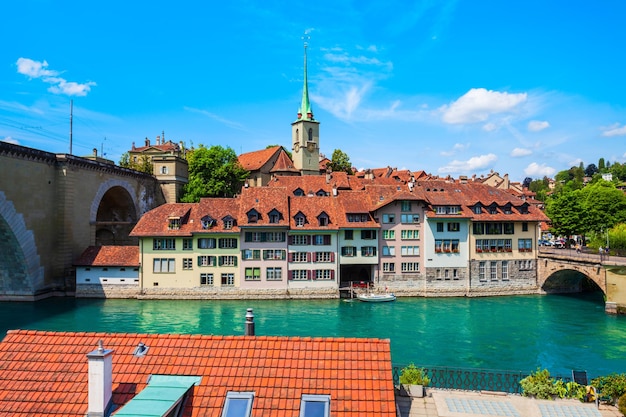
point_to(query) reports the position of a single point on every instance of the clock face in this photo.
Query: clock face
(296, 147)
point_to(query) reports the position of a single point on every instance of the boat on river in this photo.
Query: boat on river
(376, 298)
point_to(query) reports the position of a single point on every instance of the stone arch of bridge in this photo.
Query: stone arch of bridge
(553, 275)
(114, 212)
(20, 266)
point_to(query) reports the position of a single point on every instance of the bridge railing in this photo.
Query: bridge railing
(473, 379)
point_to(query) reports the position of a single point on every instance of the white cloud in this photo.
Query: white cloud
(519, 152)
(473, 164)
(614, 130)
(490, 127)
(478, 104)
(9, 139)
(36, 69)
(539, 171)
(458, 147)
(537, 125)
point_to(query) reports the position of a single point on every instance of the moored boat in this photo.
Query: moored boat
(376, 298)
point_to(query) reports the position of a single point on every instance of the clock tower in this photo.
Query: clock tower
(305, 134)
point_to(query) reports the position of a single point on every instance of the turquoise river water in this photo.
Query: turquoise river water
(520, 333)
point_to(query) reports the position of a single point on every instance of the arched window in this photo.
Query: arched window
(310, 135)
(163, 169)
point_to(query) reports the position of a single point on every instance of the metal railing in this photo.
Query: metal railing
(473, 379)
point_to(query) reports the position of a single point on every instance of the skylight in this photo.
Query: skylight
(238, 404)
(315, 406)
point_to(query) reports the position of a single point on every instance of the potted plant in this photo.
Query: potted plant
(413, 380)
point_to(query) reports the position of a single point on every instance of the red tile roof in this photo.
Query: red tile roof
(109, 256)
(253, 161)
(46, 373)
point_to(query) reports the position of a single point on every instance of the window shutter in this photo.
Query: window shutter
(290, 275)
(263, 237)
(290, 256)
(332, 256)
(199, 261)
(221, 261)
(308, 239)
(291, 240)
(308, 256)
(326, 239)
(313, 275)
(308, 274)
(235, 261)
(248, 236)
(332, 274)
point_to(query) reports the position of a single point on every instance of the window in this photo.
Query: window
(164, 265)
(389, 267)
(524, 209)
(228, 261)
(478, 228)
(405, 206)
(249, 254)
(368, 251)
(438, 245)
(299, 274)
(410, 251)
(352, 218)
(509, 228)
(493, 269)
(477, 209)
(524, 227)
(238, 404)
(454, 227)
(389, 250)
(505, 270)
(207, 222)
(324, 274)
(348, 251)
(163, 169)
(348, 234)
(187, 263)
(174, 223)
(526, 265)
(410, 218)
(187, 244)
(274, 274)
(322, 219)
(446, 274)
(321, 239)
(275, 236)
(206, 260)
(481, 271)
(206, 243)
(228, 224)
(274, 254)
(324, 257)
(299, 257)
(410, 266)
(439, 227)
(300, 219)
(368, 234)
(525, 245)
(228, 280)
(447, 209)
(274, 216)
(389, 218)
(253, 274)
(253, 216)
(315, 406)
(227, 243)
(299, 240)
(206, 279)
(164, 244)
(389, 234)
(455, 274)
(254, 237)
(409, 234)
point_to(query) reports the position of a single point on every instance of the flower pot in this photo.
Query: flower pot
(415, 391)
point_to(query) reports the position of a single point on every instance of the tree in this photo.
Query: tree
(143, 165)
(526, 183)
(590, 170)
(340, 162)
(601, 166)
(213, 172)
(565, 211)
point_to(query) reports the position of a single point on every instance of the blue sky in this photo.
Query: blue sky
(449, 87)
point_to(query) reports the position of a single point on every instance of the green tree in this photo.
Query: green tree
(604, 206)
(213, 172)
(540, 188)
(144, 164)
(566, 213)
(340, 162)
(601, 166)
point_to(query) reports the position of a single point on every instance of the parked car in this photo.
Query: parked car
(559, 243)
(545, 242)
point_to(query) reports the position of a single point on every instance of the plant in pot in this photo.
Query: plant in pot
(413, 380)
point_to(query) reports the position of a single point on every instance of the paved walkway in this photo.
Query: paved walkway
(444, 403)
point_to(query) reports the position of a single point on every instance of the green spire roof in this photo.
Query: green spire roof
(305, 112)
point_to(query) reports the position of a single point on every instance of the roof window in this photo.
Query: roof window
(315, 406)
(238, 404)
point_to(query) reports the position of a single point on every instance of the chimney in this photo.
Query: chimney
(100, 381)
(334, 190)
(249, 323)
(95, 152)
(133, 146)
(158, 142)
(147, 142)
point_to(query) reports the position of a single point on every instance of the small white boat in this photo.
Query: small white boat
(376, 298)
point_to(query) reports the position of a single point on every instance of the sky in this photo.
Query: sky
(453, 87)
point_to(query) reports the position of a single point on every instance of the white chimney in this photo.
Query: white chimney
(100, 380)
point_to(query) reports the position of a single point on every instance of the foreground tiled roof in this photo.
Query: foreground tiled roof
(46, 373)
(109, 256)
(253, 161)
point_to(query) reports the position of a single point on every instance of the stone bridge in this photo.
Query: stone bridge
(53, 206)
(608, 273)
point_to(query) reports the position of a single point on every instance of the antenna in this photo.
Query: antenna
(71, 111)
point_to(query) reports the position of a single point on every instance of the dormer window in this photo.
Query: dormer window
(493, 209)
(174, 223)
(524, 208)
(321, 193)
(477, 209)
(507, 209)
(207, 222)
(300, 219)
(299, 192)
(323, 219)
(229, 222)
(274, 216)
(253, 216)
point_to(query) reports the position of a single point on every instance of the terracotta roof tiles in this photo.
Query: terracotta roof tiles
(109, 256)
(253, 161)
(356, 373)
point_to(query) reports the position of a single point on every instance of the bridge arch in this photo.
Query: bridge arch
(21, 272)
(555, 275)
(114, 211)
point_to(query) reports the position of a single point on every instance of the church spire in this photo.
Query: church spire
(305, 112)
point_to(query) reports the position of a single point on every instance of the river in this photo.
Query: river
(520, 333)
